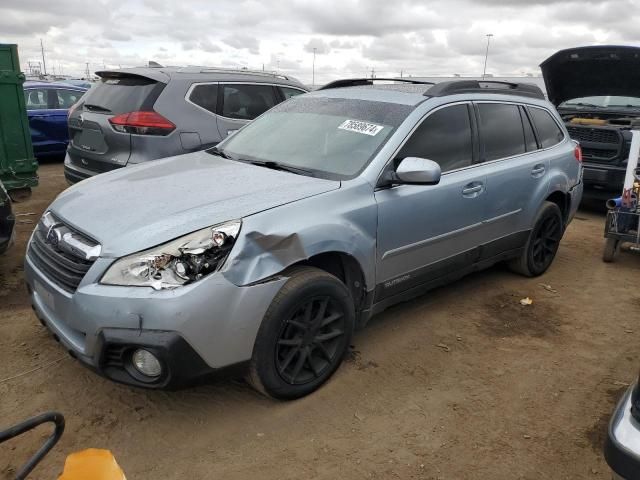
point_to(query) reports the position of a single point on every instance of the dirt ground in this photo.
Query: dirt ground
(462, 383)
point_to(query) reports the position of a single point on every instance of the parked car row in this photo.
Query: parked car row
(261, 247)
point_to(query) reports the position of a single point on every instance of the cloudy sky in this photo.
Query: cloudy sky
(351, 37)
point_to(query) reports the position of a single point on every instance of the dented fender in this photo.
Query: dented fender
(271, 241)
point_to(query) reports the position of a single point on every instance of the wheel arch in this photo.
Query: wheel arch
(343, 266)
(563, 201)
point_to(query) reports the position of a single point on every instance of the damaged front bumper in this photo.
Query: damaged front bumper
(194, 330)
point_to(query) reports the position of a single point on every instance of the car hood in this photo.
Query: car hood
(139, 207)
(592, 71)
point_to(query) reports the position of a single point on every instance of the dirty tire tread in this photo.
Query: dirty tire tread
(521, 264)
(298, 277)
(611, 248)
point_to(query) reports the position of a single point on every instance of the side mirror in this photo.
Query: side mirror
(418, 171)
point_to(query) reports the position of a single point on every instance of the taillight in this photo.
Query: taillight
(577, 152)
(142, 123)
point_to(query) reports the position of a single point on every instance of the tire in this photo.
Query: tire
(611, 248)
(304, 335)
(542, 244)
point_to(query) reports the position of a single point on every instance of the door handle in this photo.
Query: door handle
(472, 190)
(538, 170)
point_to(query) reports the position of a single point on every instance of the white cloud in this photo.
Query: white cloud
(351, 37)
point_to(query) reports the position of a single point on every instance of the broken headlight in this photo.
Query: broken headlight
(181, 261)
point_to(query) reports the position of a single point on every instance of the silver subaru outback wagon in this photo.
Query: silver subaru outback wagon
(267, 251)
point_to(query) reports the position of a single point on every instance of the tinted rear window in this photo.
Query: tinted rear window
(501, 130)
(122, 94)
(529, 136)
(549, 133)
(205, 96)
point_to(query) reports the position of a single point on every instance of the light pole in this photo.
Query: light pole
(313, 80)
(486, 55)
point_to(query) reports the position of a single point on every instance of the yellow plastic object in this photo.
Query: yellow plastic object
(588, 121)
(92, 464)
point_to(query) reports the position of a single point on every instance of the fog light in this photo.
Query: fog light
(146, 363)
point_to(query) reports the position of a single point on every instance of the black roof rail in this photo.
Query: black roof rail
(358, 82)
(484, 86)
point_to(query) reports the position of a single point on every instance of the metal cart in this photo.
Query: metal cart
(622, 226)
(623, 217)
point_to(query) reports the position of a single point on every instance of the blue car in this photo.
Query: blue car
(47, 108)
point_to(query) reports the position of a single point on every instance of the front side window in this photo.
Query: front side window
(37, 98)
(501, 130)
(205, 96)
(444, 137)
(330, 138)
(549, 133)
(246, 102)
(67, 98)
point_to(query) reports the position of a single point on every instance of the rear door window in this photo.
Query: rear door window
(529, 136)
(444, 137)
(38, 99)
(549, 133)
(66, 98)
(501, 130)
(288, 92)
(122, 95)
(205, 96)
(246, 101)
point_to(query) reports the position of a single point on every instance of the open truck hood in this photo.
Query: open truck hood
(135, 208)
(592, 71)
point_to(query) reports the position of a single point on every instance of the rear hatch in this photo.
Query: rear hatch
(95, 144)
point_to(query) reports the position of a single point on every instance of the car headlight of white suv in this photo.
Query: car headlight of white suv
(179, 262)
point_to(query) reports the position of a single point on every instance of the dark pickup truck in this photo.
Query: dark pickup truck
(596, 90)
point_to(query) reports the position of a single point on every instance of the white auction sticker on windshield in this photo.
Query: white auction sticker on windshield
(360, 127)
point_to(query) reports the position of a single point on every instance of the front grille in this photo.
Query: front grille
(599, 154)
(62, 268)
(595, 135)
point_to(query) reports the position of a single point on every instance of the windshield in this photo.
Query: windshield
(604, 101)
(325, 137)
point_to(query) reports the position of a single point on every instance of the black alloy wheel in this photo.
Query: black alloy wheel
(304, 335)
(309, 340)
(546, 242)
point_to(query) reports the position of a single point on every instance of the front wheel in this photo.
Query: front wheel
(611, 247)
(304, 335)
(542, 244)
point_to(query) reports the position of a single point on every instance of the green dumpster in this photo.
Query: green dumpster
(18, 166)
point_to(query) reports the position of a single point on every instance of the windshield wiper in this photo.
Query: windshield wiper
(280, 166)
(219, 153)
(96, 108)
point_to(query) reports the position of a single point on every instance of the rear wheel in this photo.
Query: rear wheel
(304, 335)
(542, 244)
(611, 248)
